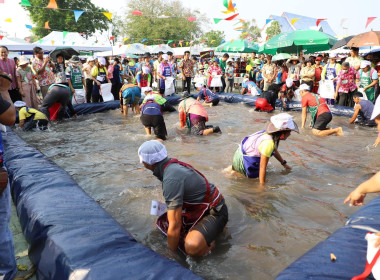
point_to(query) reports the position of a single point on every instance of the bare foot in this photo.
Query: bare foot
(340, 131)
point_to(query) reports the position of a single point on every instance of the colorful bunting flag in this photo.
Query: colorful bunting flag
(52, 42)
(120, 46)
(225, 3)
(40, 40)
(143, 40)
(244, 33)
(8, 20)
(216, 20)
(52, 5)
(223, 41)
(1, 37)
(73, 43)
(65, 34)
(320, 20)
(268, 20)
(203, 41)
(112, 38)
(47, 25)
(136, 13)
(212, 41)
(240, 27)
(174, 45)
(64, 42)
(108, 15)
(231, 6)
(28, 39)
(77, 14)
(232, 41)
(191, 19)
(226, 12)
(187, 43)
(1, 1)
(180, 43)
(170, 41)
(232, 17)
(25, 3)
(28, 26)
(369, 20)
(125, 39)
(294, 20)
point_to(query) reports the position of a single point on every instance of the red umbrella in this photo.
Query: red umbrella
(366, 39)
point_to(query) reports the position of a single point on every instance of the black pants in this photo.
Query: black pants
(115, 90)
(89, 85)
(186, 84)
(41, 124)
(96, 97)
(158, 124)
(60, 95)
(15, 95)
(345, 99)
(223, 83)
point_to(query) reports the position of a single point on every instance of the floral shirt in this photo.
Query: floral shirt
(230, 70)
(47, 77)
(186, 67)
(25, 76)
(347, 80)
(269, 71)
(214, 70)
(354, 61)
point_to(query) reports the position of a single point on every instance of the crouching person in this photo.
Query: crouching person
(151, 117)
(197, 212)
(30, 118)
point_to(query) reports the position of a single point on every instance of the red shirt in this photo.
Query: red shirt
(308, 100)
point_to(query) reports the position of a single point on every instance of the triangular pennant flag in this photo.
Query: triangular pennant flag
(320, 20)
(108, 15)
(180, 43)
(225, 3)
(144, 46)
(25, 3)
(203, 41)
(128, 46)
(27, 39)
(170, 41)
(241, 27)
(174, 45)
(232, 17)
(136, 13)
(343, 21)
(1, 1)
(212, 41)
(216, 20)
(40, 41)
(191, 19)
(125, 39)
(73, 43)
(64, 42)
(28, 26)
(221, 48)
(268, 20)
(8, 20)
(112, 38)
(223, 41)
(1, 37)
(187, 43)
(231, 6)
(369, 20)
(226, 12)
(232, 41)
(65, 34)
(52, 42)
(294, 20)
(244, 33)
(120, 46)
(143, 40)
(47, 25)
(77, 14)
(52, 5)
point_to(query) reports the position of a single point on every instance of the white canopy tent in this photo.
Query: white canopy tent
(15, 46)
(72, 39)
(161, 48)
(194, 50)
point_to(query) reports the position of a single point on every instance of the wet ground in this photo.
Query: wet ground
(269, 227)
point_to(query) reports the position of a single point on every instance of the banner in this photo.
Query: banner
(77, 14)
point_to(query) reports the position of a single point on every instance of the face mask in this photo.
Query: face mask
(344, 71)
(112, 61)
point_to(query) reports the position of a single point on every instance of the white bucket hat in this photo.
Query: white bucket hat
(281, 122)
(332, 55)
(19, 104)
(289, 82)
(364, 64)
(304, 87)
(102, 60)
(23, 60)
(152, 151)
(165, 57)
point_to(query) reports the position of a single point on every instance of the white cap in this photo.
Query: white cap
(102, 60)
(147, 89)
(289, 82)
(90, 59)
(332, 55)
(304, 87)
(199, 85)
(19, 104)
(23, 60)
(376, 109)
(145, 70)
(152, 151)
(365, 63)
(283, 121)
(165, 57)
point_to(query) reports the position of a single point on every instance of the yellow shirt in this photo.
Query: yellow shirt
(95, 71)
(23, 114)
(266, 148)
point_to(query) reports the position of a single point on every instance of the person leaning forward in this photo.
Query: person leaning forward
(197, 212)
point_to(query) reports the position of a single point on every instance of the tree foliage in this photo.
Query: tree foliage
(253, 30)
(214, 36)
(273, 30)
(63, 20)
(162, 20)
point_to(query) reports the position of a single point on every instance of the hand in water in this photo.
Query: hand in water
(287, 167)
(377, 142)
(355, 198)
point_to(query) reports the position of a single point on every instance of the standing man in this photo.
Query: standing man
(42, 68)
(197, 212)
(367, 79)
(269, 71)
(346, 85)
(75, 79)
(89, 79)
(354, 59)
(318, 73)
(164, 70)
(223, 65)
(321, 115)
(156, 63)
(187, 70)
(173, 65)
(308, 74)
(9, 66)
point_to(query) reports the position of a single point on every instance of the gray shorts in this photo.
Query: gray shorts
(127, 101)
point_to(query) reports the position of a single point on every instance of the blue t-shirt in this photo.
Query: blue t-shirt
(116, 75)
(152, 109)
(249, 85)
(207, 94)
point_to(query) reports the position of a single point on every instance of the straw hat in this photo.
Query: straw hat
(23, 60)
(294, 57)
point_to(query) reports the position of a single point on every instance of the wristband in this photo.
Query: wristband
(284, 162)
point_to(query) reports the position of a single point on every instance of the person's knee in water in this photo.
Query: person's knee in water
(209, 97)
(29, 118)
(362, 111)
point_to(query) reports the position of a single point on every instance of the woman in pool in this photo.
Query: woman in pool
(252, 156)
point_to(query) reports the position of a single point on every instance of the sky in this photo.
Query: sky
(357, 12)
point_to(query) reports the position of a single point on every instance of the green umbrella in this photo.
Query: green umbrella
(131, 55)
(309, 41)
(237, 46)
(281, 56)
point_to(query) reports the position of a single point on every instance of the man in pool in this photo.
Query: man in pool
(197, 212)
(193, 115)
(321, 115)
(363, 110)
(30, 118)
(210, 98)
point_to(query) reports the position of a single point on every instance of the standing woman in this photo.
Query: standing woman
(60, 71)
(215, 73)
(87, 75)
(99, 75)
(252, 156)
(27, 83)
(116, 78)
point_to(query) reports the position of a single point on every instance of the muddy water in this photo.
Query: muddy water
(268, 229)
